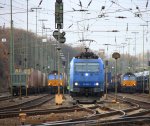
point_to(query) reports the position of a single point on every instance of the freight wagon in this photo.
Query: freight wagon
(33, 80)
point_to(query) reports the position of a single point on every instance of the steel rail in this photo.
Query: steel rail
(43, 111)
(116, 122)
(26, 105)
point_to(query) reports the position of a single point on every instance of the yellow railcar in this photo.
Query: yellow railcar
(129, 83)
(55, 80)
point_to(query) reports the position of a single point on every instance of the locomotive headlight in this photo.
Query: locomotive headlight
(86, 74)
(97, 84)
(76, 83)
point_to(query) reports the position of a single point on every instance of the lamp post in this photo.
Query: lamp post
(116, 56)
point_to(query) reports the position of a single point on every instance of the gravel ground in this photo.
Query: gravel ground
(55, 117)
(10, 122)
(115, 105)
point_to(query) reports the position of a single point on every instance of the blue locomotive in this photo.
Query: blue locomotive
(131, 82)
(86, 76)
(128, 83)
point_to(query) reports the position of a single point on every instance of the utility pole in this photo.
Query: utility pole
(123, 61)
(135, 48)
(26, 50)
(11, 51)
(149, 76)
(107, 44)
(135, 41)
(148, 61)
(46, 47)
(42, 57)
(129, 63)
(36, 65)
(26, 54)
(106, 71)
(68, 66)
(143, 58)
(36, 45)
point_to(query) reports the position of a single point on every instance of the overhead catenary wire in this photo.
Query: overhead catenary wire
(90, 21)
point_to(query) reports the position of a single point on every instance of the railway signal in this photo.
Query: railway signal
(55, 34)
(62, 38)
(58, 14)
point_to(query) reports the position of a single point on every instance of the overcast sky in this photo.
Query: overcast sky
(96, 23)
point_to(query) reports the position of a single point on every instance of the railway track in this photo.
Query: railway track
(111, 118)
(94, 113)
(136, 121)
(142, 104)
(42, 111)
(141, 95)
(109, 113)
(139, 108)
(87, 119)
(26, 105)
(3, 98)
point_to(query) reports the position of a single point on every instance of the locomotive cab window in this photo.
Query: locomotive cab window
(80, 67)
(84, 67)
(92, 67)
(129, 77)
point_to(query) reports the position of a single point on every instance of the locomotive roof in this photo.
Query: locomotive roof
(129, 73)
(54, 71)
(145, 73)
(87, 55)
